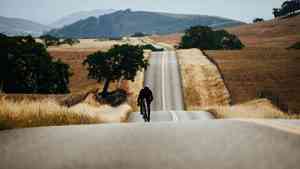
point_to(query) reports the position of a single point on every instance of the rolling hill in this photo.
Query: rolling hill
(74, 17)
(17, 26)
(127, 22)
(265, 65)
(279, 33)
(276, 33)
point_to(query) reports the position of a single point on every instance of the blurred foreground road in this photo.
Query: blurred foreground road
(216, 144)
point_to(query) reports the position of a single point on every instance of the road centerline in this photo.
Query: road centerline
(163, 81)
(174, 116)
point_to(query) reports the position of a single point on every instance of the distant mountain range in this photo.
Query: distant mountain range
(72, 18)
(112, 23)
(127, 22)
(16, 26)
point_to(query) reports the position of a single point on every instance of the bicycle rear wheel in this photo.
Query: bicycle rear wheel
(145, 110)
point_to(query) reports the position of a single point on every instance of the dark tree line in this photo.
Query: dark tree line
(256, 20)
(205, 38)
(287, 8)
(54, 41)
(139, 34)
(151, 47)
(26, 67)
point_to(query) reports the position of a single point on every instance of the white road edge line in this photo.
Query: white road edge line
(174, 116)
(163, 82)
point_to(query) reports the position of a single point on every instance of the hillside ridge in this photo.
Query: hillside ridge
(127, 22)
(17, 26)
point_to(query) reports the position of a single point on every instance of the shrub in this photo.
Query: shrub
(139, 34)
(295, 46)
(54, 41)
(256, 20)
(205, 38)
(115, 38)
(50, 40)
(70, 41)
(151, 47)
(115, 98)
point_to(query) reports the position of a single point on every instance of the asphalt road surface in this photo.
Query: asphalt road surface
(162, 77)
(175, 116)
(207, 144)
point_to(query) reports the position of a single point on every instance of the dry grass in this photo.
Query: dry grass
(257, 109)
(87, 45)
(47, 112)
(202, 84)
(264, 65)
(279, 33)
(251, 70)
(172, 39)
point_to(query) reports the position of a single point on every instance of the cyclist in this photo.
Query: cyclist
(145, 95)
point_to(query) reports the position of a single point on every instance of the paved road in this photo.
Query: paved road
(163, 78)
(175, 116)
(214, 144)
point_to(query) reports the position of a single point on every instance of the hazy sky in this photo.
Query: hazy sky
(47, 11)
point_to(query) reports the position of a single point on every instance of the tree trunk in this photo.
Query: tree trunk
(105, 88)
(1, 86)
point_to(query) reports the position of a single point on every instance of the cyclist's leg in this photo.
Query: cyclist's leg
(148, 111)
(141, 108)
(145, 110)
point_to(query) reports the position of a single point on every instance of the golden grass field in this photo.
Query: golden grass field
(172, 39)
(265, 64)
(88, 45)
(204, 88)
(278, 33)
(255, 109)
(249, 71)
(202, 83)
(48, 112)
